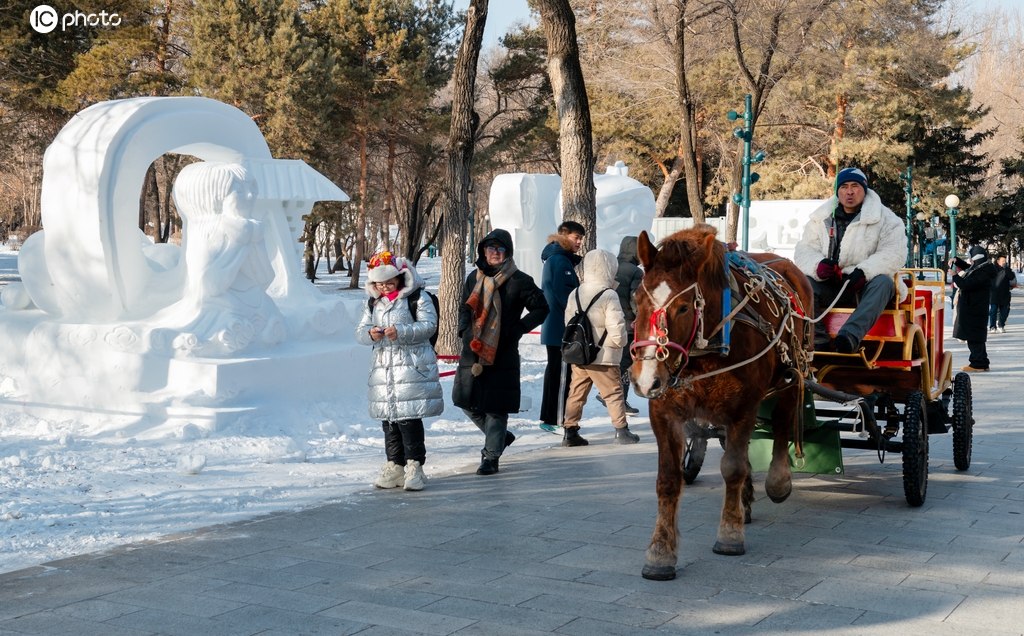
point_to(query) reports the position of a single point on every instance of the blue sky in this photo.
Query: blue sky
(501, 14)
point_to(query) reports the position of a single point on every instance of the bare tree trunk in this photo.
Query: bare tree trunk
(579, 196)
(455, 188)
(389, 192)
(665, 194)
(147, 181)
(357, 258)
(309, 254)
(688, 141)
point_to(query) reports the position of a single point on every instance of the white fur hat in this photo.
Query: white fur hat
(384, 266)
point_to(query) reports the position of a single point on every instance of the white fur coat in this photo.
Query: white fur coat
(876, 243)
(599, 268)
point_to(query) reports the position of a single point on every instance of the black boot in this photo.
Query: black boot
(624, 436)
(509, 438)
(630, 410)
(572, 437)
(488, 467)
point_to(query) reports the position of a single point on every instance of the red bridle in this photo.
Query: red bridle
(659, 329)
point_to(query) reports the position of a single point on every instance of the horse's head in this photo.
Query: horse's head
(678, 278)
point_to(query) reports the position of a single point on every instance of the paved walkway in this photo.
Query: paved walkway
(555, 543)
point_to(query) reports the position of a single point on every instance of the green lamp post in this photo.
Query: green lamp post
(952, 201)
(908, 190)
(746, 133)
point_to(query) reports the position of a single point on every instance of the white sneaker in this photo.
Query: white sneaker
(391, 476)
(414, 477)
(1002, 330)
(993, 330)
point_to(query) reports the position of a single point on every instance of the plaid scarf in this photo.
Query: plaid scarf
(485, 301)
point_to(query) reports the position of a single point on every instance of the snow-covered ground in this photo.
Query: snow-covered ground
(63, 492)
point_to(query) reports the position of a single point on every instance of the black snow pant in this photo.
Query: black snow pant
(552, 375)
(979, 354)
(403, 440)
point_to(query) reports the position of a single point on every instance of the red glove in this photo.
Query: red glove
(827, 269)
(857, 280)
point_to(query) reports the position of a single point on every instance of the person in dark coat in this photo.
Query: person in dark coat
(974, 282)
(559, 279)
(999, 302)
(491, 322)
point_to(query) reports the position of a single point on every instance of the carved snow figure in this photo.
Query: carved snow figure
(225, 306)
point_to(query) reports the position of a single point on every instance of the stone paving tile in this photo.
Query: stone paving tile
(603, 611)
(512, 546)
(95, 610)
(512, 616)
(175, 624)
(15, 607)
(593, 627)
(378, 630)
(600, 557)
(993, 611)
(273, 560)
(312, 554)
(882, 598)
(877, 623)
(390, 596)
(290, 578)
(154, 598)
(564, 589)
(426, 622)
(55, 588)
(430, 555)
(244, 594)
(500, 591)
(286, 622)
(403, 569)
(49, 622)
(750, 579)
(488, 628)
(500, 566)
(836, 570)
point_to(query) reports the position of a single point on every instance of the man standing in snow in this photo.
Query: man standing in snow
(559, 279)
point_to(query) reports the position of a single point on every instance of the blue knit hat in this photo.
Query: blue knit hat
(847, 175)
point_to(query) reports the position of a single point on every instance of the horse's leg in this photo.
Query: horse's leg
(736, 473)
(748, 492)
(660, 561)
(779, 483)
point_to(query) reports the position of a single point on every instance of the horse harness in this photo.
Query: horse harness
(759, 285)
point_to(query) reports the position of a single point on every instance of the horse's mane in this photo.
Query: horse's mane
(686, 250)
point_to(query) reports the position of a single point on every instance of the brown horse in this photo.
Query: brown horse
(686, 377)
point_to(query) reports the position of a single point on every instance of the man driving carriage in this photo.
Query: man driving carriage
(854, 239)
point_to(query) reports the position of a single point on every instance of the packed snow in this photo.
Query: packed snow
(66, 491)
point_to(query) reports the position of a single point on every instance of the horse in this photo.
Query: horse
(769, 347)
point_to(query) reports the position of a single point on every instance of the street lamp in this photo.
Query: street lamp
(908, 190)
(746, 133)
(952, 201)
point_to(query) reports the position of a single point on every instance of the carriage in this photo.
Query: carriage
(723, 348)
(887, 397)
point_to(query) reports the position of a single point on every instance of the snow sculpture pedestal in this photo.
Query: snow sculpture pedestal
(121, 333)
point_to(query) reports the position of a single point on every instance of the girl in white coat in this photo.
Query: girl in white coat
(599, 269)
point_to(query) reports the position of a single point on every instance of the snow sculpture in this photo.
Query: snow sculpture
(113, 329)
(225, 306)
(529, 206)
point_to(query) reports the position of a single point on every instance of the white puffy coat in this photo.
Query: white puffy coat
(599, 268)
(403, 382)
(875, 243)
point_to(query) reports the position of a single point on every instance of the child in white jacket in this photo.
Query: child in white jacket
(599, 269)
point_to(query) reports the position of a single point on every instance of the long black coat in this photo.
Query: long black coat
(1001, 285)
(496, 390)
(973, 289)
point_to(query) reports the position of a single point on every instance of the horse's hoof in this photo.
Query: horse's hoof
(659, 572)
(728, 549)
(780, 498)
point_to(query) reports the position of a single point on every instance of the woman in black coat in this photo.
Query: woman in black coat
(488, 392)
(974, 285)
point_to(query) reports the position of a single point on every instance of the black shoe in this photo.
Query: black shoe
(631, 410)
(572, 437)
(601, 400)
(488, 467)
(845, 343)
(509, 438)
(624, 436)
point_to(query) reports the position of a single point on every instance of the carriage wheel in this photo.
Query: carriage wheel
(963, 421)
(915, 449)
(693, 457)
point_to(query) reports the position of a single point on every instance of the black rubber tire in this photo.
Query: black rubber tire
(915, 449)
(693, 457)
(963, 421)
